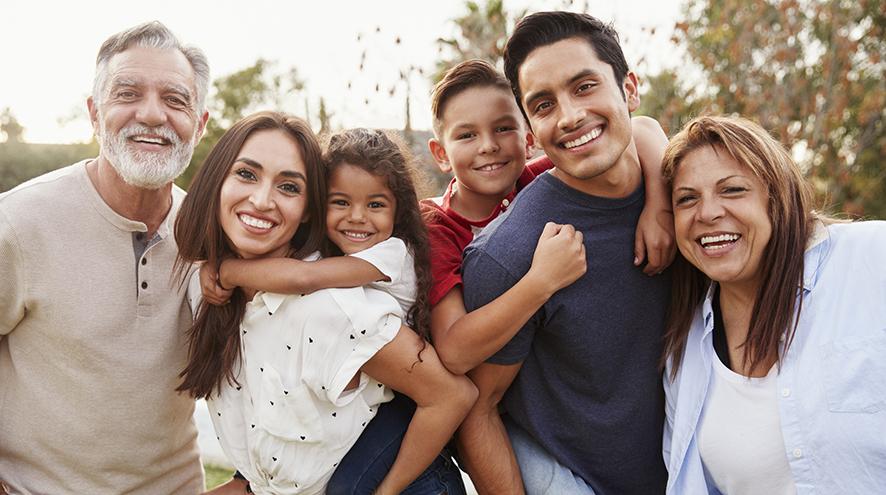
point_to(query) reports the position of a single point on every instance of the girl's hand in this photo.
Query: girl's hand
(212, 290)
(654, 240)
(559, 257)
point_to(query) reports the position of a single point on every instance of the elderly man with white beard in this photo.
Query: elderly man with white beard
(92, 321)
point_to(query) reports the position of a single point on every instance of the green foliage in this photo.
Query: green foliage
(810, 72)
(481, 33)
(10, 127)
(237, 95)
(22, 161)
(216, 475)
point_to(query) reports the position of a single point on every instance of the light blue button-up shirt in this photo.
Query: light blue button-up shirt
(832, 382)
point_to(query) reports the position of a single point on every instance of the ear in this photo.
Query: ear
(201, 127)
(93, 113)
(438, 152)
(631, 90)
(530, 145)
(305, 217)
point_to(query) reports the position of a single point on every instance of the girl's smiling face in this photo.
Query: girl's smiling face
(360, 209)
(721, 216)
(264, 197)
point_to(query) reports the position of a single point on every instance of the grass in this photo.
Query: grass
(216, 475)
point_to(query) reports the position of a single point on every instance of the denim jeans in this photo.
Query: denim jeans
(542, 474)
(370, 459)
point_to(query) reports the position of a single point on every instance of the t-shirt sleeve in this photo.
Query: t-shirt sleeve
(387, 256)
(369, 322)
(446, 261)
(12, 273)
(484, 281)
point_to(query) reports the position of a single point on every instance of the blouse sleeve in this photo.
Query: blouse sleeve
(366, 320)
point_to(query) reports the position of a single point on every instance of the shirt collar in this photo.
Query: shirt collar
(816, 249)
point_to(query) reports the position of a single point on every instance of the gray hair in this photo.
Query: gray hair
(151, 35)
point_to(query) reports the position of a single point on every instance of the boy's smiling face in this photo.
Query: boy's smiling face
(483, 141)
(578, 111)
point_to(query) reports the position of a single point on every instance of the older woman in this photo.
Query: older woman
(775, 372)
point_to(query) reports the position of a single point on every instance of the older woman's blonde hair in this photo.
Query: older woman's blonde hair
(790, 210)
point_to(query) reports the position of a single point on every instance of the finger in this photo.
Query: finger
(654, 265)
(567, 230)
(639, 249)
(550, 230)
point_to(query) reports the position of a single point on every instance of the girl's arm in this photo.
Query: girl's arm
(291, 276)
(654, 241)
(464, 340)
(442, 401)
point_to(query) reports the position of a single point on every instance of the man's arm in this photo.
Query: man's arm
(483, 443)
(12, 284)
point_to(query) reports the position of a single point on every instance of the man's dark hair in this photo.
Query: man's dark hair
(545, 28)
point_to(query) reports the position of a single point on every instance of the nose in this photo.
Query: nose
(151, 111)
(572, 115)
(710, 210)
(356, 214)
(488, 144)
(262, 198)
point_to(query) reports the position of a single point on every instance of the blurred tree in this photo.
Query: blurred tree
(481, 33)
(812, 72)
(325, 116)
(235, 96)
(10, 127)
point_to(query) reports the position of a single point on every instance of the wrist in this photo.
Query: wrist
(540, 285)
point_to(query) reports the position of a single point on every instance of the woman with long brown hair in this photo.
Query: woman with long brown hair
(775, 373)
(291, 381)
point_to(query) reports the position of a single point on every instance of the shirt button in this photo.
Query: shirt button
(144, 285)
(798, 453)
(505, 203)
(785, 392)
(782, 338)
(144, 261)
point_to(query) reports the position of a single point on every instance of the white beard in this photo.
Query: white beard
(145, 169)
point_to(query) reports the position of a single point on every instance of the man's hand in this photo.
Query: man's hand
(211, 287)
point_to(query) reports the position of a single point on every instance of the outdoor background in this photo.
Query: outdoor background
(811, 71)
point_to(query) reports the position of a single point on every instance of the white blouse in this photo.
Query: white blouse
(393, 259)
(289, 421)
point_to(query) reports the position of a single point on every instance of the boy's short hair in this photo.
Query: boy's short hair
(546, 28)
(468, 74)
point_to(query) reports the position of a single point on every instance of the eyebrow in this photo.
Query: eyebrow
(724, 179)
(127, 82)
(293, 174)
(530, 97)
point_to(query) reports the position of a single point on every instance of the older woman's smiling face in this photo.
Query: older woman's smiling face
(721, 216)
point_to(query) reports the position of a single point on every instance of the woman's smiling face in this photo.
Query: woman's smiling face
(264, 197)
(721, 216)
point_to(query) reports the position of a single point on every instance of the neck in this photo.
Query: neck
(737, 306)
(474, 206)
(149, 206)
(618, 181)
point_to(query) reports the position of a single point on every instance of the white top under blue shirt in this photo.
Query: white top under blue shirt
(831, 387)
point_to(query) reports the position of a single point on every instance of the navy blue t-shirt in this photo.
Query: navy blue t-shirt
(589, 390)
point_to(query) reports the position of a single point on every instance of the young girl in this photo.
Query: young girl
(291, 380)
(373, 218)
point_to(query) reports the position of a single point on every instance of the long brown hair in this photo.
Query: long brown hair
(214, 338)
(385, 156)
(776, 309)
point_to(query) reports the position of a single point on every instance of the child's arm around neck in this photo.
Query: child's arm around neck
(292, 276)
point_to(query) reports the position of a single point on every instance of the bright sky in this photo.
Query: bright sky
(49, 50)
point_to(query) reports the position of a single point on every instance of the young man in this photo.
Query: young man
(482, 138)
(585, 412)
(91, 320)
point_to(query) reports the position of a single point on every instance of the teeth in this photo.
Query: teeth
(150, 140)
(490, 167)
(255, 222)
(356, 235)
(584, 139)
(724, 238)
